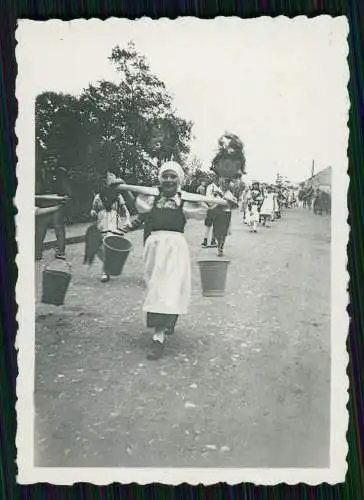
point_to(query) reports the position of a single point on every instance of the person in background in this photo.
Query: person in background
(246, 203)
(267, 209)
(112, 215)
(166, 255)
(202, 188)
(232, 189)
(211, 191)
(222, 214)
(54, 181)
(253, 216)
(137, 220)
(277, 212)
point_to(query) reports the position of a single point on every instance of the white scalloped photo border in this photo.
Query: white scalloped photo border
(25, 343)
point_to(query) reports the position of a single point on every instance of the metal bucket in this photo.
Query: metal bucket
(55, 285)
(117, 250)
(213, 274)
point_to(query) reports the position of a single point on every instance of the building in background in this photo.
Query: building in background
(321, 180)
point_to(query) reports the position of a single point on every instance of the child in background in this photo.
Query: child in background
(252, 217)
(211, 191)
(267, 210)
(113, 217)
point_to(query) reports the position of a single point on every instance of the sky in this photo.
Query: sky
(279, 84)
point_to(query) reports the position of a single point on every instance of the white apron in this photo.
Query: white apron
(167, 273)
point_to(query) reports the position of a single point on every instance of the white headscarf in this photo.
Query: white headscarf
(174, 167)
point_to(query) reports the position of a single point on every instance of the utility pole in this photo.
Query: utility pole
(313, 168)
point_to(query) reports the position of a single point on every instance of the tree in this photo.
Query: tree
(128, 127)
(196, 174)
(64, 136)
(152, 126)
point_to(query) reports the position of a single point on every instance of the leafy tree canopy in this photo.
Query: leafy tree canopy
(129, 127)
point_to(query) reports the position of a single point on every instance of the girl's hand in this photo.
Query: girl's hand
(126, 228)
(64, 200)
(230, 198)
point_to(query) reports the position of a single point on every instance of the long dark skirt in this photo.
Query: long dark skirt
(158, 320)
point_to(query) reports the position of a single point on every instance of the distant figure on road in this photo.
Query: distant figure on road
(322, 202)
(244, 202)
(166, 255)
(252, 217)
(267, 210)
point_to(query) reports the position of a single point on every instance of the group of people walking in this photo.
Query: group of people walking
(317, 199)
(164, 216)
(259, 204)
(263, 204)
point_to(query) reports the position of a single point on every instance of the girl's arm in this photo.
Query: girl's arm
(228, 196)
(144, 203)
(197, 211)
(46, 211)
(136, 222)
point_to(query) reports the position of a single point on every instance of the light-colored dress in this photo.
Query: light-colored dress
(268, 205)
(252, 215)
(112, 220)
(166, 255)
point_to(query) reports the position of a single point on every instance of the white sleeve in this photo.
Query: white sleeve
(196, 211)
(144, 203)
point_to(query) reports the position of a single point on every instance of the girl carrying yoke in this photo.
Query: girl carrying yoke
(166, 254)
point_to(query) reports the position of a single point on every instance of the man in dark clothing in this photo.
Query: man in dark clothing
(54, 181)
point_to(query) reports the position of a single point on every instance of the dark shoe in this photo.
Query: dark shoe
(61, 256)
(105, 278)
(204, 243)
(220, 252)
(213, 243)
(155, 351)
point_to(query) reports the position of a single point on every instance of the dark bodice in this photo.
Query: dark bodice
(165, 215)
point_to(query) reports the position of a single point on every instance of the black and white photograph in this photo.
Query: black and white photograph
(182, 232)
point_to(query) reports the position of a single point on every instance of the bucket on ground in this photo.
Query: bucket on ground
(55, 285)
(213, 276)
(117, 250)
